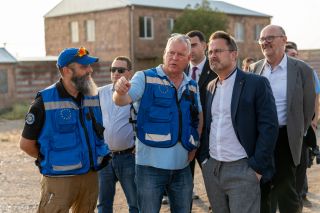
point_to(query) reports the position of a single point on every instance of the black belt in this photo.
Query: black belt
(126, 151)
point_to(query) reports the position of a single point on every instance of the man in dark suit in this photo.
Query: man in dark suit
(199, 70)
(241, 131)
(292, 84)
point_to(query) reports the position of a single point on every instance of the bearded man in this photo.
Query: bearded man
(64, 132)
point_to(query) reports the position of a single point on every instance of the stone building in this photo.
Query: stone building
(7, 77)
(138, 29)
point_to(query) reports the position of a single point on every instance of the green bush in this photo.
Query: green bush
(16, 111)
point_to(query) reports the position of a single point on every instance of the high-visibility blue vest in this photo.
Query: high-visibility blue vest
(68, 142)
(162, 119)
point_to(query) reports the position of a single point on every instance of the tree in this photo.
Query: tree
(202, 18)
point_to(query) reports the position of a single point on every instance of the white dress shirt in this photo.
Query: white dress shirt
(278, 81)
(118, 133)
(223, 142)
(199, 70)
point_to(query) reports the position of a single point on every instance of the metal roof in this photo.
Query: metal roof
(68, 7)
(6, 57)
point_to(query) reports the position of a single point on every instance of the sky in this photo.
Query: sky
(22, 22)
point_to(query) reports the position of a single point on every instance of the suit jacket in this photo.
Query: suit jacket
(206, 76)
(254, 119)
(300, 101)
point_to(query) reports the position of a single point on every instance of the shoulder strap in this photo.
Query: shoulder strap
(133, 119)
(98, 128)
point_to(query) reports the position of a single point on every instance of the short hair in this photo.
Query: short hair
(179, 37)
(227, 37)
(126, 59)
(197, 33)
(291, 45)
(248, 60)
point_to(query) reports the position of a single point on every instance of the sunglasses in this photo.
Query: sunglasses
(119, 69)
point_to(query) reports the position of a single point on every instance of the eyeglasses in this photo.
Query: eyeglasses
(119, 69)
(218, 51)
(268, 39)
(81, 52)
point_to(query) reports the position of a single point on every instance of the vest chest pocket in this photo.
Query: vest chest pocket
(163, 96)
(64, 141)
(160, 114)
(66, 160)
(66, 120)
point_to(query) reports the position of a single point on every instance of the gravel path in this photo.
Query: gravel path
(20, 189)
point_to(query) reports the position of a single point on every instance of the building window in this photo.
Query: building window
(170, 25)
(74, 32)
(257, 31)
(146, 27)
(239, 32)
(90, 28)
(3, 82)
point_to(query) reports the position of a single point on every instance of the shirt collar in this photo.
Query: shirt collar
(282, 65)
(200, 65)
(230, 77)
(161, 73)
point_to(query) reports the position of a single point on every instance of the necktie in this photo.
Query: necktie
(193, 75)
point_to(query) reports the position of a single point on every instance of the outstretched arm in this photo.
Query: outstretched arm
(120, 96)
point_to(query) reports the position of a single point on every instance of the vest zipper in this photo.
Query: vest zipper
(87, 137)
(180, 115)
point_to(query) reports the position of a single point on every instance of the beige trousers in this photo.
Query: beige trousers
(78, 193)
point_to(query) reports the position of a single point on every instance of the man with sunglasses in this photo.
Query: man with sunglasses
(119, 136)
(292, 84)
(63, 131)
(169, 113)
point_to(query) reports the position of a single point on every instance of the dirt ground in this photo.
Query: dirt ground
(20, 189)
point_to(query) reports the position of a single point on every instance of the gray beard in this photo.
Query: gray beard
(85, 85)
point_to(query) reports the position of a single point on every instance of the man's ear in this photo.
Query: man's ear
(65, 71)
(204, 45)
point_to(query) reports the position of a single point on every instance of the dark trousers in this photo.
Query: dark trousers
(265, 204)
(301, 174)
(284, 190)
(192, 165)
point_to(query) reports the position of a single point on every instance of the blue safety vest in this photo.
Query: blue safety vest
(162, 119)
(68, 142)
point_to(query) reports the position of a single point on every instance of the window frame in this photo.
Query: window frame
(146, 30)
(90, 30)
(4, 87)
(239, 32)
(74, 29)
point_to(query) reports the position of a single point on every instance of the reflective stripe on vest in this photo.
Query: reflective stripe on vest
(60, 105)
(67, 168)
(91, 103)
(158, 138)
(156, 80)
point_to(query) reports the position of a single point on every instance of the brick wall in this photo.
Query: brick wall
(27, 78)
(312, 57)
(114, 35)
(7, 96)
(111, 33)
(249, 47)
